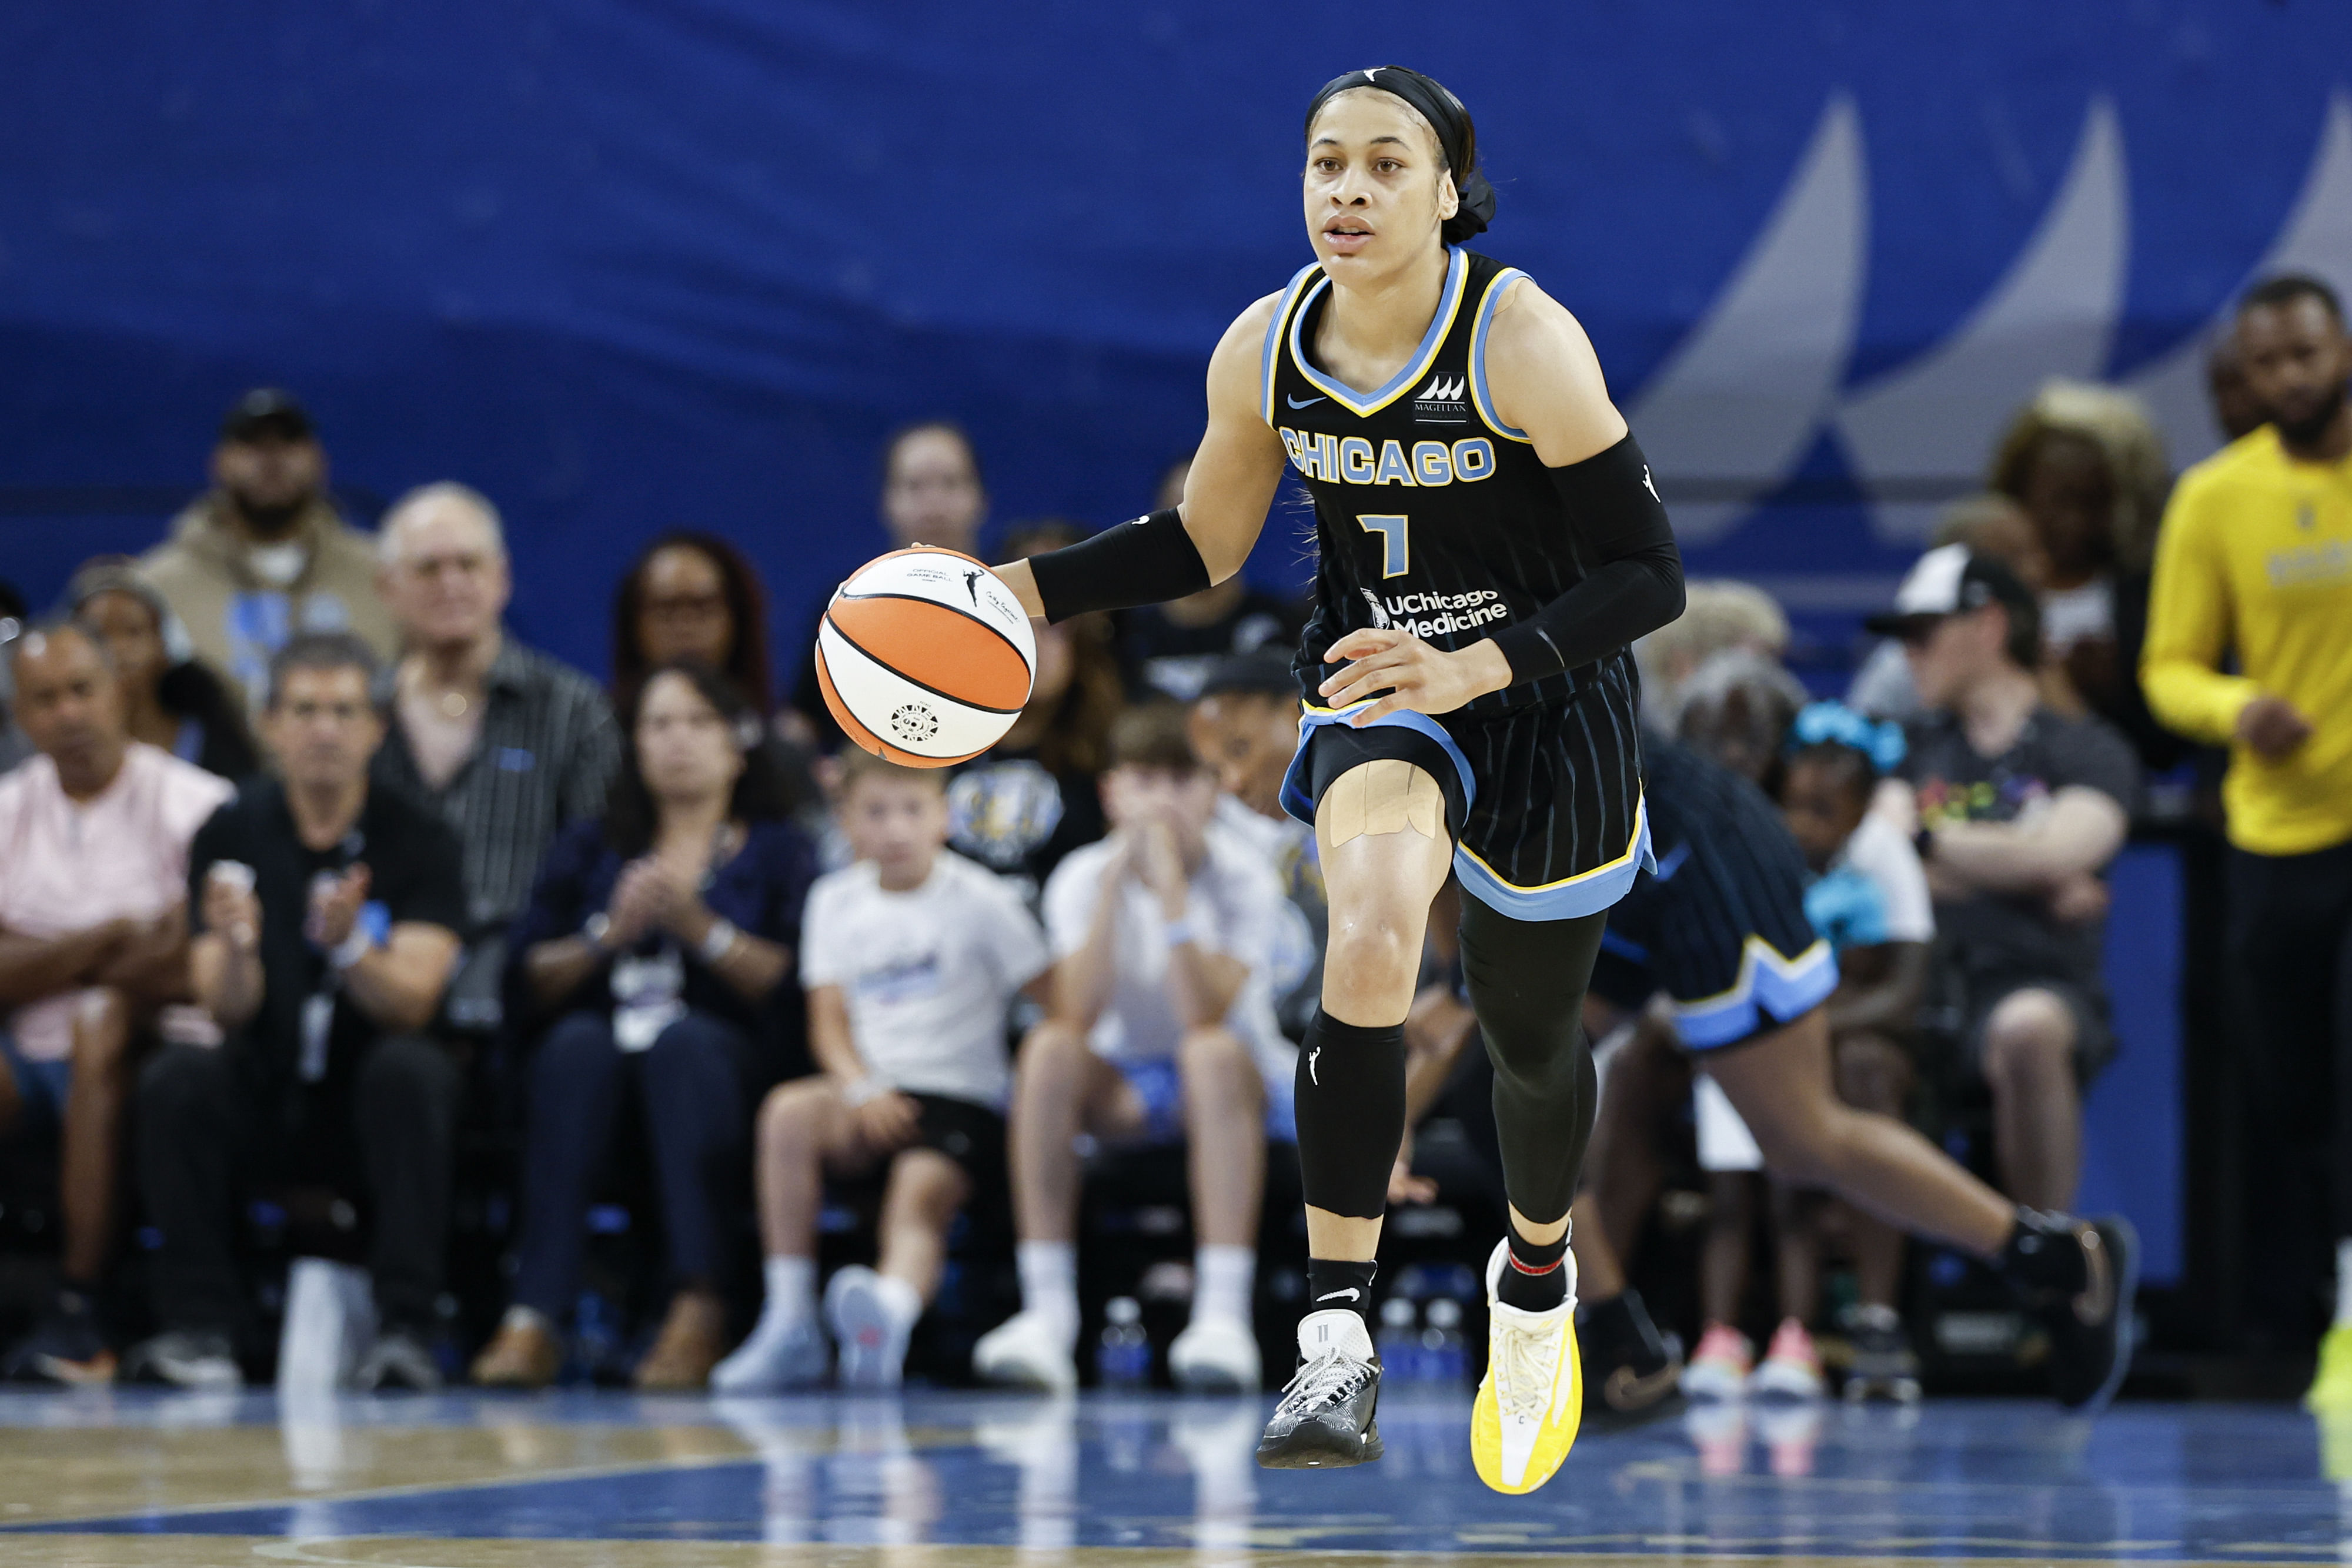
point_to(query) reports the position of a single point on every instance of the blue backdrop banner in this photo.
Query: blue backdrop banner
(625, 265)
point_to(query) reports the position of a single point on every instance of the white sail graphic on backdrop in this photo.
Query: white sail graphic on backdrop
(2316, 237)
(2053, 315)
(1740, 401)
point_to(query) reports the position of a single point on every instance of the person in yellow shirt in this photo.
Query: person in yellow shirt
(2254, 561)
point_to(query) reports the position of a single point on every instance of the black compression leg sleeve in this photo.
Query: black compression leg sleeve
(1526, 980)
(1351, 1087)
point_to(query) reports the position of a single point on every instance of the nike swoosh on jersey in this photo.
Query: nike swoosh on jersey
(1297, 402)
(1350, 1294)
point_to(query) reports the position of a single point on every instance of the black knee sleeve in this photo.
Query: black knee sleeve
(1527, 981)
(1350, 1089)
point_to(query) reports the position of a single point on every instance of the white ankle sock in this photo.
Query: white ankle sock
(1049, 1280)
(791, 1293)
(900, 1300)
(2344, 1282)
(1222, 1276)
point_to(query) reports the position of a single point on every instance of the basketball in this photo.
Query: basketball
(925, 657)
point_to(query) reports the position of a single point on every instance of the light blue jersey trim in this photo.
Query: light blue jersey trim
(1481, 399)
(1770, 989)
(1449, 305)
(1294, 796)
(1273, 330)
(1625, 947)
(1587, 892)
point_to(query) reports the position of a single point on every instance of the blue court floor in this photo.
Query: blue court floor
(150, 1480)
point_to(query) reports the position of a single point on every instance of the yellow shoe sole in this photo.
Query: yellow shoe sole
(1553, 1442)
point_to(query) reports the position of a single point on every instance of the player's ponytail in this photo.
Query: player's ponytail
(1457, 138)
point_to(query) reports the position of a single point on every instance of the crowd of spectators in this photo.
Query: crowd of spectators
(307, 862)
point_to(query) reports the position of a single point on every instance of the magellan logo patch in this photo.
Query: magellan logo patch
(914, 722)
(1441, 402)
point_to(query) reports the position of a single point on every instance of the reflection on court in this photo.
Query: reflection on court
(1135, 1481)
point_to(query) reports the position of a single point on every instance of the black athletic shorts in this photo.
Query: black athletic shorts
(1719, 923)
(971, 1136)
(1544, 804)
(1961, 1004)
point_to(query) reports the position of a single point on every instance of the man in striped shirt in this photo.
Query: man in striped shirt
(508, 743)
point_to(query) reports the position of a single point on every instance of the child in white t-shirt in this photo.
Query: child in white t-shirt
(911, 959)
(1163, 1027)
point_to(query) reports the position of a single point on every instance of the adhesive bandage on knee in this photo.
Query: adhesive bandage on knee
(1387, 795)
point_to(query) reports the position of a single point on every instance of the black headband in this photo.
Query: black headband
(1455, 139)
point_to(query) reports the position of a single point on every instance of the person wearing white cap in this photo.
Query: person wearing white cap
(2016, 810)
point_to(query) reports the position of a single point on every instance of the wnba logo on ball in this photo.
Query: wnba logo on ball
(925, 657)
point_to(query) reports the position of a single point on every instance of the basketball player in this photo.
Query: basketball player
(1490, 539)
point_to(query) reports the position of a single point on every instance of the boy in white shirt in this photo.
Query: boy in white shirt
(1162, 1027)
(911, 957)
(1245, 725)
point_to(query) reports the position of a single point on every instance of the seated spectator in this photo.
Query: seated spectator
(660, 941)
(1245, 725)
(1030, 800)
(1718, 614)
(263, 554)
(1990, 524)
(326, 913)
(13, 745)
(1169, 649)
(2087, 466)
(912, 959)
(2017, 808)
(508, 745)
(93, 945)
(693, 598)
(1162, 1029)
(170, 699)
(1867, 897)
(1736, 708)
(1869, 900)
(932, 494)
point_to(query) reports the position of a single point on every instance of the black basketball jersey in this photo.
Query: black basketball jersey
(1431, 513)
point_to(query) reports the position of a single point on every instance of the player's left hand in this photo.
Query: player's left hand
(1417, 677)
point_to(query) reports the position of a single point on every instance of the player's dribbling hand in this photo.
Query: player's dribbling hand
(1417, 677)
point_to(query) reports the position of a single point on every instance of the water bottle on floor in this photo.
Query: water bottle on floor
(1400, 1343)
(1443, 1359)
(1123, 1360)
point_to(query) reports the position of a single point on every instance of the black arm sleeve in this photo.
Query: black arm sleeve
(1147, 561)
(1633, 575)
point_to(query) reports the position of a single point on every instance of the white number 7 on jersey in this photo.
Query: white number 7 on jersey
(1395, 554)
